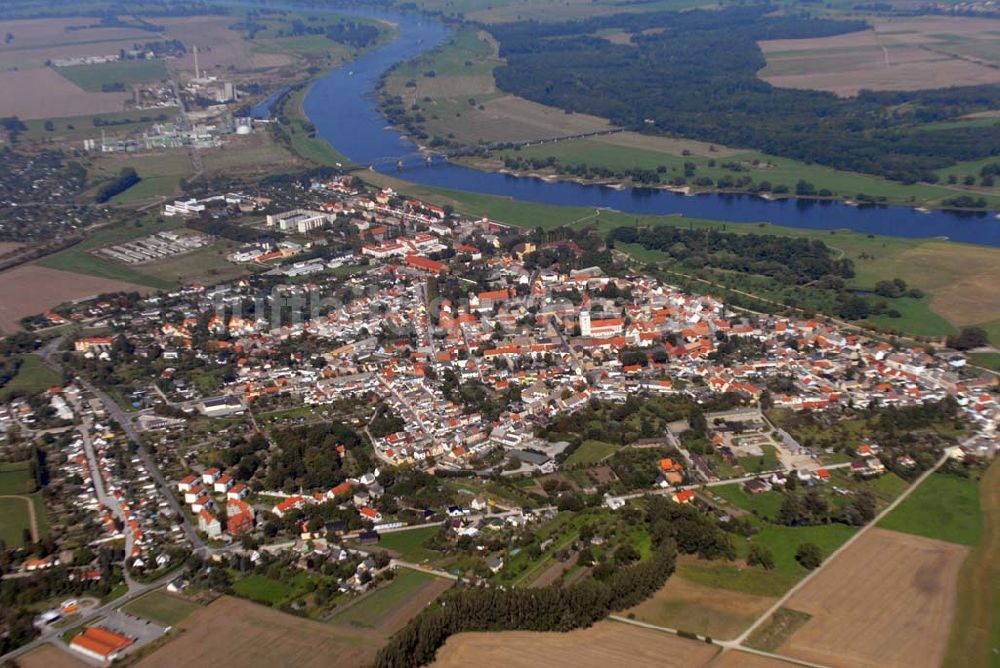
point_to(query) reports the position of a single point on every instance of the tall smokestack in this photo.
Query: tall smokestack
(197, 72)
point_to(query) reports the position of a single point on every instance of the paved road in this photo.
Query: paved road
(125, 422)
(107, 500)
(53, 634)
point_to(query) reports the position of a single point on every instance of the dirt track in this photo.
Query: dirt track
(888, 600)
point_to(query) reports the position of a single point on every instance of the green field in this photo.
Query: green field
(735, 577)
(370, 610)
(315, 149)
(591, 452)
(263, 589)
(32, 377)
(975, 633)
(161, 608)
(14, 519)
(916, 317)
(783, 541)
(603, 152)
(986, 360)
(944, 507)
(128, 72)
(410, 544)
(15, 478)
(764, 505)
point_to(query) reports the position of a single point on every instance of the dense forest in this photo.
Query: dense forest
(790, 260)
(695, 76)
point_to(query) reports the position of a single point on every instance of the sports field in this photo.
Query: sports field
(160, 607)
(231, 631)
(888, 600)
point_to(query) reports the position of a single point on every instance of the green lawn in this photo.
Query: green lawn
(94, 77)
(263, 589)
(735, 577)
(162, 608)
(591, 452)
(15, 478)
(410, 544)
(14, 519)
(32, 377)
(987, 360)
(369, 611)
(764, 505)
(944, 507)
(783, 541)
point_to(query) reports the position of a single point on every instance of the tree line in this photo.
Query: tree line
(551, 608)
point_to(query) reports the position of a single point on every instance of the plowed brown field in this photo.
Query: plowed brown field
(887, 601)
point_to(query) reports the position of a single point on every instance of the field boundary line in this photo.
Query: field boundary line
(742, 638)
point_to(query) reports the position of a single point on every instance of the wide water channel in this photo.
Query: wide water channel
(343, 107)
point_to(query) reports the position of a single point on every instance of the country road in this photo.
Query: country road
(742, 638)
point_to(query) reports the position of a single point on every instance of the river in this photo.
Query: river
(343, 106)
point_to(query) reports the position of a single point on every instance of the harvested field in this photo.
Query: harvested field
(50, 656)
(896, 54)
(38, 40)
(686, 605)
(43, 92)
(30, 289)
(219, 48)
(737, 659)
(604, 644)
(236, 632)
(889, 600)
(961, 278)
